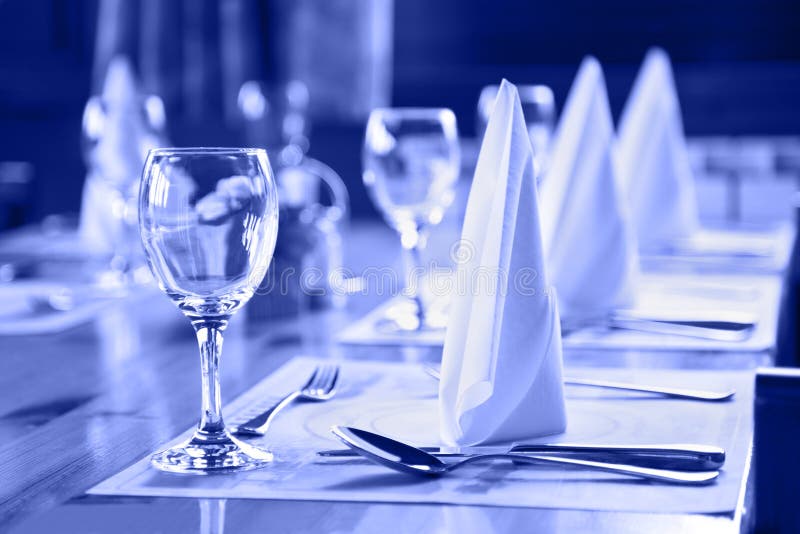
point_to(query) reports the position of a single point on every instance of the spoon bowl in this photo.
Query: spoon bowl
(391, 453)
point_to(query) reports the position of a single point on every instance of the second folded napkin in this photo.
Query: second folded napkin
(501, 365)
(588, 238)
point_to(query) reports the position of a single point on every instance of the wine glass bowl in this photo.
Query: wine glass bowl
(411, 164)
(208, 219)
(208, 224)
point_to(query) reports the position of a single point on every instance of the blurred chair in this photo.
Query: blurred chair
(788, 350)
(776, 461)
(787, 158)
(16, 183)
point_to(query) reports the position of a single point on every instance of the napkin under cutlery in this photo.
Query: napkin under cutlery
(653, 157)
(501, 365)
(589, 242)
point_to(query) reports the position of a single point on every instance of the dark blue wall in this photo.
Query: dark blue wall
(737, 64)
(736, 61)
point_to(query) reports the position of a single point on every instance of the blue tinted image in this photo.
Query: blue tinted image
(444, 266)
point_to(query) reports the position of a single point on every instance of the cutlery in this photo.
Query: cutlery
(321, 386)
(716, 326)
(408, 459)
(693, 394)
(690, 248)
(679, 393)
(680, 457)
(66, 299)
(62, 300)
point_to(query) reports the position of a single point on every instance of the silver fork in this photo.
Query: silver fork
(320, 387)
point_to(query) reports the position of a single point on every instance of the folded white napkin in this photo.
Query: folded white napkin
(589, 242)
(653, 158)
(501, 365)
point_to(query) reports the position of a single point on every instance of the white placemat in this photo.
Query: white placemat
(755, 294)
(400, 400)
(25, 309)
(725, 250)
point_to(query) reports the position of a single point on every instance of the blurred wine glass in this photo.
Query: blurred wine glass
(115, 140)
(275, 115)
(119, 126)
(208, 219)
(539, 108)
(411, 161)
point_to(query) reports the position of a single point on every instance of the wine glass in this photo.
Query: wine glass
(116, 136)
(208, 218)
(411, 161)
(539, 108)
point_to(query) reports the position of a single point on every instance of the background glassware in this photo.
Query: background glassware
(539, 108)
(208, 218)
(114, 149)
(411, 161)
(276, 115)
(314, 201)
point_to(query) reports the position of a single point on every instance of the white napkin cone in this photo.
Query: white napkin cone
(589, 243)
(501, 366)
(653, 158)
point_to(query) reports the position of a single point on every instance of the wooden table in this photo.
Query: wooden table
(79, 406)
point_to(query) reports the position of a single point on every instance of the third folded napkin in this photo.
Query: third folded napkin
(653, 157)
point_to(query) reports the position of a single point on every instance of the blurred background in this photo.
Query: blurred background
(307, 73)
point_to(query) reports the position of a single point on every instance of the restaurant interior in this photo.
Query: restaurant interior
(479, 266)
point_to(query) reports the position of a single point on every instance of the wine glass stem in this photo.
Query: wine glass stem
(413, 273)
(209, 338)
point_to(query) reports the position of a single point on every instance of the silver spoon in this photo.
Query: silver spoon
(693, 394)
(407, 459)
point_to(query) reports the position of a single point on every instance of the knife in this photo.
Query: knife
(681, 457)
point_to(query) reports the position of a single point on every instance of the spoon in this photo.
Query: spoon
(408, 459)
(693, 394)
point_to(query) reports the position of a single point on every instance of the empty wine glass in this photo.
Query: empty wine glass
(539, 108)
(411, 161)
(208, 218)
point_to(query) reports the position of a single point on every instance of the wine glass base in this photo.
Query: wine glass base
(210, 454)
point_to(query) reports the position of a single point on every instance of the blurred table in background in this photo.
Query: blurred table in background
(741, 181)
(746, 180)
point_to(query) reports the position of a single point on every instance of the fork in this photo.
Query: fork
(321, 386)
